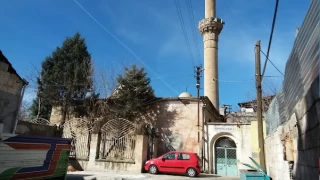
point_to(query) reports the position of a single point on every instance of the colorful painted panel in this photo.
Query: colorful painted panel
(24, 157)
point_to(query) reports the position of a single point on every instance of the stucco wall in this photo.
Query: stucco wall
(10, 95)
(177, 125)
(297, 141)
(240, 135)
(30, 129)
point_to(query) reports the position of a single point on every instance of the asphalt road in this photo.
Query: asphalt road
(87, 175)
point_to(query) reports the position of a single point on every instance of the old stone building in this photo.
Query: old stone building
(177, 126)
(11, 93)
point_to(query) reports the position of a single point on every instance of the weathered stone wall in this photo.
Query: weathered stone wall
(297, 141)
(30, 129)
(10, 95)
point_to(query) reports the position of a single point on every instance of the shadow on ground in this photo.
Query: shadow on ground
(181, 175)
(80, 177)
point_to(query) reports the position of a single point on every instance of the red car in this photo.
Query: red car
(179, 162)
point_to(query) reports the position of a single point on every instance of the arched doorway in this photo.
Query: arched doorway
(226, 157)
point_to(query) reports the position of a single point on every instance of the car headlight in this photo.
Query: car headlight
(147, 162)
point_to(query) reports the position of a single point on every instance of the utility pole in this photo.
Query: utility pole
(259, 106)
(198, 71)
(198, 76)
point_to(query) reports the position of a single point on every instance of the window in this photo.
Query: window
(182, 156)
(170, 156)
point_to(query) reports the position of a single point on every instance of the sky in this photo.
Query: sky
(150, 34)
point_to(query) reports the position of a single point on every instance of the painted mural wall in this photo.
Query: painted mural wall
(25, 157)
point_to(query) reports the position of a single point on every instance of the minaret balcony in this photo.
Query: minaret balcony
(211, 25)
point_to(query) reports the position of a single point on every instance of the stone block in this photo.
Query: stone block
(4, 66)
(317, 106)
(314, 173)
(313, 157)
(312, 118)
(301, 108)
(286, 128)
(312, 138)
(5, 78)
(293, 121)
(302, 124)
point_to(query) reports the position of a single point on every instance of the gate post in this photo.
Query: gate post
(155, 147)
(140, 152)
(92, 152)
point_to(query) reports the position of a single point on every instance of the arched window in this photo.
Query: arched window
(225, 142)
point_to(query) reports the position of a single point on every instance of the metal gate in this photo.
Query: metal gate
(118, 140)
(79, 130)
(226, 157)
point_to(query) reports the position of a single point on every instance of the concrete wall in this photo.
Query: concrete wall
(30, 129)
(10, 95)
(254, 139)
(240, 135)
(94, 164)
(297, 141)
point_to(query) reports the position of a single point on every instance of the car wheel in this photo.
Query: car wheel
(191, 172)
(153, 169)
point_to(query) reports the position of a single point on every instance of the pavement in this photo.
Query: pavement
(90, 175)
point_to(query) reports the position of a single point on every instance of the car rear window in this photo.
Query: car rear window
(183, 156)
(198, 157)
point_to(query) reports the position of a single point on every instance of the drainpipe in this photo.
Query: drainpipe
(203, 139)
(25, 83)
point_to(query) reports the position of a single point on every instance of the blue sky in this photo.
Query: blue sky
(148, 33)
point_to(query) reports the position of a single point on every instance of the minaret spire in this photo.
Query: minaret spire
(210, 28)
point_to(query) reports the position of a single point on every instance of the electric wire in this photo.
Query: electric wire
(267, 59)
(270, 39)
(193, 28)
(184, 30)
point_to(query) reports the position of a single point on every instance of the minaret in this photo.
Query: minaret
(210, 28)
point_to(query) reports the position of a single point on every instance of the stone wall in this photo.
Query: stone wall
(10, 96)
(140, 157)
(297, 141)
(30, 129)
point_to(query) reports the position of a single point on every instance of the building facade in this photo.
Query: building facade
(11, 93)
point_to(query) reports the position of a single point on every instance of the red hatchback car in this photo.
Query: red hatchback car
(179, 162)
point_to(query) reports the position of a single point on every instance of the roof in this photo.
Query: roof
(10, 68)
(249, 103)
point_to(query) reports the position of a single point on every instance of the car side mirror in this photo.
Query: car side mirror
(163, 159)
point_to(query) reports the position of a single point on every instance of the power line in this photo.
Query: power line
(267, 59)
(193, 27)
(125, 46)
(233, 81)
(270, 39)
(184, 30)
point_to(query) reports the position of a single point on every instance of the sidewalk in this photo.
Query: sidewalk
(91, 175)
